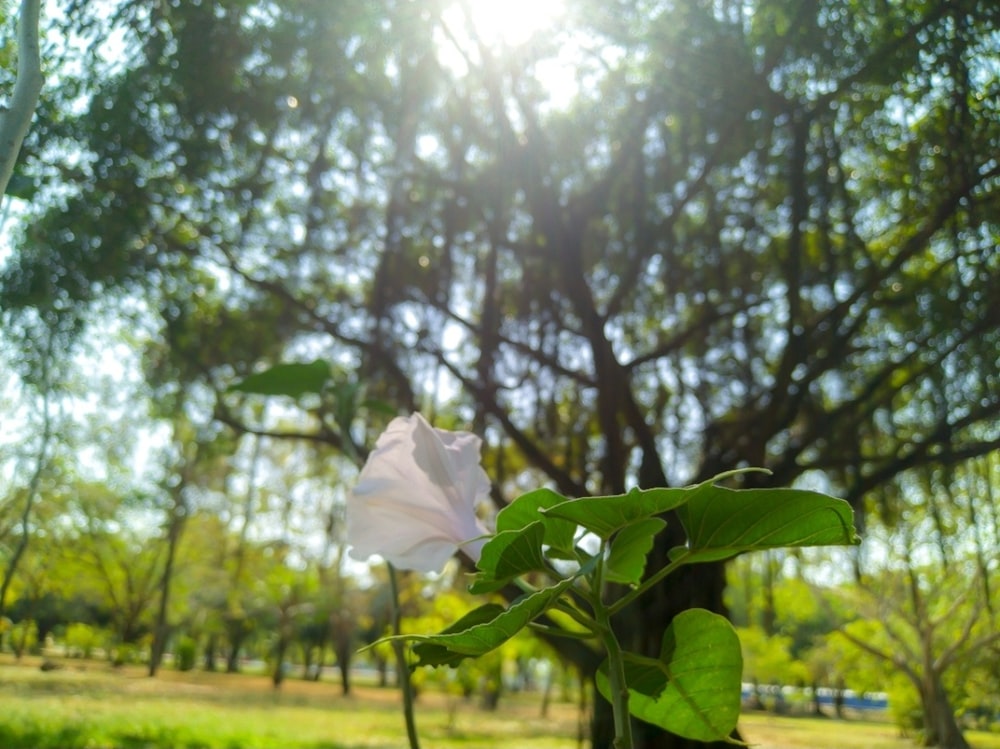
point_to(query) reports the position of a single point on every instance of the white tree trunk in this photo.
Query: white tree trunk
(16, 117)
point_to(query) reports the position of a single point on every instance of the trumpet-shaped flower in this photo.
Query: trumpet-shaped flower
(415, 500)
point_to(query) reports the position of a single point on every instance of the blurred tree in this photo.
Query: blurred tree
(197, 461)
(28, 456)
(929, 606)
(113, 563)
(738, 233)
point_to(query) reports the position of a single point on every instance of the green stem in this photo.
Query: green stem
(618, 688)
(576, 615)
(402, 667)
(617, 685)
(648, 583)
(559, 632)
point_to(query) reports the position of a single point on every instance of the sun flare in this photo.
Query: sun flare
(508, 23)
(504, 26)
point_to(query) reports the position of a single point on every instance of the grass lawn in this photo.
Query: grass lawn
(88, 705)
(770, 732)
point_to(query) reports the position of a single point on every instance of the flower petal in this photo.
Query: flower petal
(413, 545)
(415, 500)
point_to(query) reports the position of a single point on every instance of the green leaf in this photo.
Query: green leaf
(721, 523)
(526, 509)
(287, 379)
(509, 554)
(606, 515)
(430, 654)
(626, 561)
(487, 630)
(693, 689)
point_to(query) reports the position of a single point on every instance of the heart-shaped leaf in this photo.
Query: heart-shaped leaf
(693, 689)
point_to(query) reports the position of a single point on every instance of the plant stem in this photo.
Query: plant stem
(578, 616)
(617, 685)
(402, 667)
(618, 688)
(648, 583)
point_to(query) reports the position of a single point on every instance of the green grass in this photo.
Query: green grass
(91, 706)
(101, 708)
(765, 731)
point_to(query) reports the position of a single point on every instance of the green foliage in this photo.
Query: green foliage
(722, 522)
(768, 659)
(82, 640)
(689, 688)
(524, 510)
(293, 380)
(674, 220)
(484, 629)
(22, 637)
(603, 516)
(185, 653)
(692, 686)
(626, 562)
(510, 554)
(904, 706)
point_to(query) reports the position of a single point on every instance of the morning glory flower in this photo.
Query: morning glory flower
(415, 500)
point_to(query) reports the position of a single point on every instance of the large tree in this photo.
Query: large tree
(752, 233)
(930, 606)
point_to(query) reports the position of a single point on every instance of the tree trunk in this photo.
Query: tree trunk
(307, 662)
(817, 709)
(161, 630)
(382, 667)
(768, 618)
(838, 699)
(344, 652)
(278, 673)
(940, 727)
(237, 634)
(210, 650)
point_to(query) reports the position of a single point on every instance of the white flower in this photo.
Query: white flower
(415, 501)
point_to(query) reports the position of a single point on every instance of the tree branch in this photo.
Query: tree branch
(16, 119)
(884, 655)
